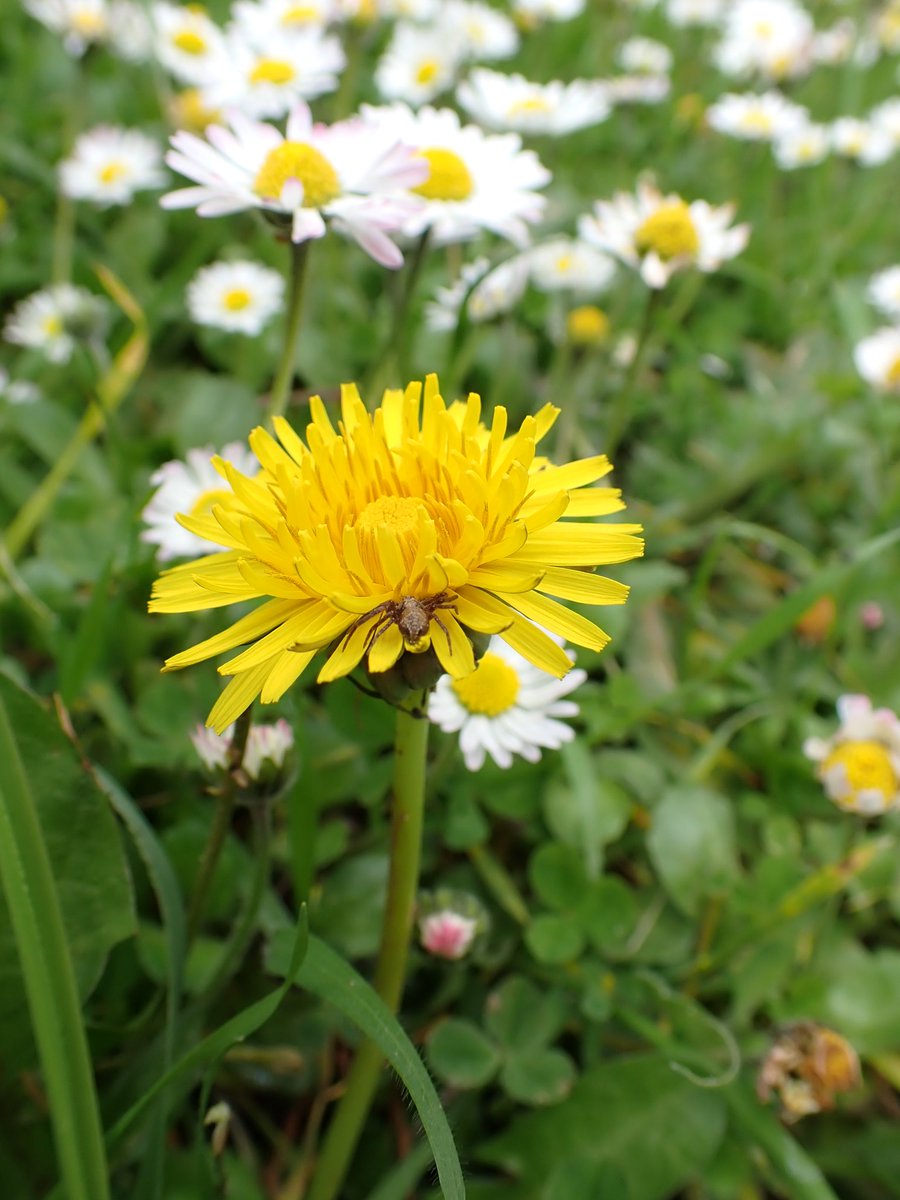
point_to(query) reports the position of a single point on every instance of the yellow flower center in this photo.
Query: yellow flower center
(892, 375)
(867, 766)
(297, 160)
(203, 505)
(587, 325)
(491, 689)
(669, 231)
(190, 42)
(272, 70)
(565, 263)
(52, 326)
(397, 516)
(300, 14)
(532, 104)
(236, 299)
(756, 121)
(88, 22)
(190, 112)
(449, 178)
(112, 171)
(427, 70)
(764, 29)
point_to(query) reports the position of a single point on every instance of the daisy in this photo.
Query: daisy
(349, 173)
(266, 74)
(832, 47)
(484, 292)
(240, 297)
(568, 264)
(756, 116)
(530, 13)
(191, 487)
(636, 89)
(286, 17)
(418, 64)
(17, 391)
(877, 359)
(770, 38)
(447, 934)
(511, 102)
(860, 763)
(109, 164)
(130, 31)
(862, 141)
(886, 117)
(685, 13)
(81, 23)
(506, 707)
(477, 180)
(187, 42)
(267, 748)
(482, 32)
(188, 110)
(55, 320)
(804, 146)
(404, 529)
(884, 292)
(644, 56)
(659, 234)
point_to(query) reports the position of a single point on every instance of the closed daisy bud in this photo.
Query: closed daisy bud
(449, 922)
(587, 325)
(264, 755)
(807, 1067)
(859, 765)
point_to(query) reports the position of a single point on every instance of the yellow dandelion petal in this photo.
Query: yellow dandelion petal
(377, 534)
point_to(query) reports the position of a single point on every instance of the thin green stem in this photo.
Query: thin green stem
(410, 747)
(621, 405)
(284, 377)
(393, 358)
(221, 824)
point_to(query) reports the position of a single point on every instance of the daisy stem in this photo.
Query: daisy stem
(221, 825)
(621, 406)
(410, 747)
(284, 377)
(393, 360)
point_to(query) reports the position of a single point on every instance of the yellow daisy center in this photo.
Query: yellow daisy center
(427, 70)
(565, 263)
(88, 22)
(298, 160)
(892, 375)
(203, 505)
(449, 178)
(190, 42)
(867, 766)
(669, 231)
(532, 104)
(52, 325)
(299, 14)
(491, 689)
(272, 70)
(756, 121)
(190, 112)
(112, 171)
(587, 325)
(236, 299)
(764, 29)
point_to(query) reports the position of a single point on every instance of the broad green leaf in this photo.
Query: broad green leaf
(692, 845)
(521, 1017)
(539, 1077)
(460, 1054)
(609, 914)
(635, 1116)
(587, 812)
(554, 939)
(557, 875)
(581, 1179)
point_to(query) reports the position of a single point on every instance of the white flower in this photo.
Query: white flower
(886, 117)
(505, 707)
(644, 56)
(351, 173)
(512, 102)
(130, 31)
(266, 74)
(887, 26)
(82, 23)
(833, 46)
(418, 64)
(108, 164)
(660, 234)
(756, 117)
(54, 320)
(683, 13)
(884, 292)
(265, 752)
(568, 264)
(864, 142)
(860, 763)
(187, 41)
(20, 391)
(189, 487)
(770, 38)
(406, 10)
(285, 17)
(447, 934)
(482, 32)
(801, 147)
(477, 180)
(485, 293)
(636, 89)
(533, 12)
(237, 296)
(877, 359)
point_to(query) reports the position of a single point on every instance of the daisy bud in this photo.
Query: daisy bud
(264, 756)
(872, 615)
(807, 1066)
(449, 922)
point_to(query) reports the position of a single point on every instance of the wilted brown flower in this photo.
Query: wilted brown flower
(807, 1066)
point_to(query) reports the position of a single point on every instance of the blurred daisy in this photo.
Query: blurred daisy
(685, 13)
(832, 47)
(17, 391)
(267, 748)
(236, 296)
(659, 235)
(130, 31)
(482, 32)
(877, 359)
(55, 320)
(188, 110)
(286, 17)
(506, 707)
(502, 101)
(485, 293)
(756, 117)
(405, 10)
(636, 89)
(531, 13)
(189, 487)
(860, 763)
(769, 38)
(109, 164)
(884, 292)
(418, 64)
(188, 43)
(264, 75)
(887, 26)
(349, 174)
(886, 117)
(804, 146)
(644, 56)
(567, 264)
(476, 181)
(862, 141)
(80, 23)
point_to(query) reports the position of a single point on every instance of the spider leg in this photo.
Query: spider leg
(382, 608)
(437, 620)
(378, 629)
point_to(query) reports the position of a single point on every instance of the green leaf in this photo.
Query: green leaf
(461, 1055)
(327, 975)
(554, 939)
(539, 1077)
(634, 1116)
(692, 846)
(522, 1018)
(581, 1179)
(609, 914)
(589, 812)
(557, 875)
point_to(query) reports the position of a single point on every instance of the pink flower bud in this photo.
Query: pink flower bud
(872, 615)
(447, 934)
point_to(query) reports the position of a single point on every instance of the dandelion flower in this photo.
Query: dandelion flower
(860, 763)
(512, 102)
(884, 292)
(506, 707)
(350, 175)
(108, 165)
(240, 297)
(402, 530)
(55, 320)
(877, 359)
(660, 234)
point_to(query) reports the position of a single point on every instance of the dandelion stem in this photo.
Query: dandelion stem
(281, 388)
(221, 825)
(410, 746)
